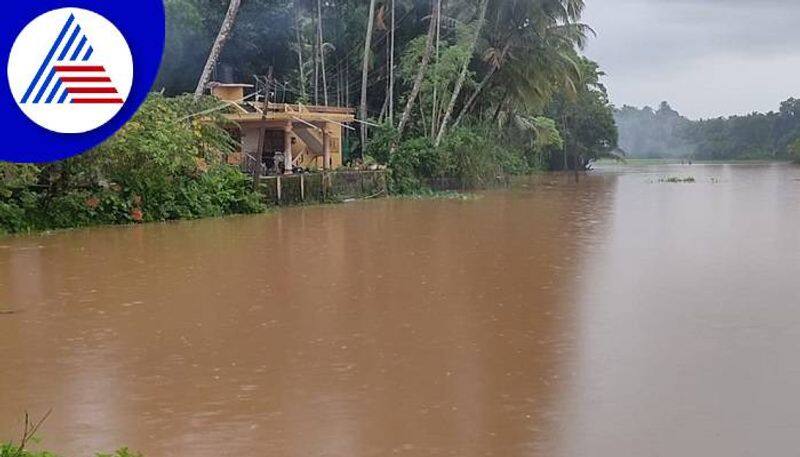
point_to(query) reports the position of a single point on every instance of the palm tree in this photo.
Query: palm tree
(423, 67)
(219, 44)
(463, 75)
(391, 66)
(321, 51)
(365, 74)
(529, 45)
(298, 46)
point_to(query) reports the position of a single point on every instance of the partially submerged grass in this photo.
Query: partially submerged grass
(439, 194)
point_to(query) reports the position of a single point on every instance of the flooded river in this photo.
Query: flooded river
(620, 316)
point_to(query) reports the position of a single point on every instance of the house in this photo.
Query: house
(276, 134)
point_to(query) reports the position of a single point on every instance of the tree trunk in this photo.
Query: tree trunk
(391, 69)
(463, 75)
(347, 97)
(436, 54)
(316, 62)
(423, 67)
(566, 159)
(364, 75)
(474, 96)
(338, 82)
(219, 44)
(500, 105)
(383, 110)
(321, 44)
(300, 60)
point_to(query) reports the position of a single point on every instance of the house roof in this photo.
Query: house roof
(247, 112)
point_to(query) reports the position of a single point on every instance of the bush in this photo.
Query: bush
(164, 164)
(473, 155)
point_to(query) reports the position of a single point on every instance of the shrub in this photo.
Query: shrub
(164, 164)
(473, 155)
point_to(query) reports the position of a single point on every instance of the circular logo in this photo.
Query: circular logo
(76, 72)
(70, 70)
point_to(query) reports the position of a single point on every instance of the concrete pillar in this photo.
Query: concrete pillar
(326, 148)
(287, 148)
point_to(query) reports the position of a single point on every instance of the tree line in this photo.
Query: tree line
(665, 133)
(423, 71)
(459, 89)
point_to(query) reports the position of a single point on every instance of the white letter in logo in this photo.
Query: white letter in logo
(70, 70)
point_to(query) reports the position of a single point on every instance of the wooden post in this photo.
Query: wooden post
(287, 149)
(302, 187)
(326, 148)
(262, 133)
(278, 188)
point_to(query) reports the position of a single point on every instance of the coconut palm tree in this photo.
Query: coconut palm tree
(365, 74)
(528, 49)
(463, 75)
(423, 67)
(219, 44)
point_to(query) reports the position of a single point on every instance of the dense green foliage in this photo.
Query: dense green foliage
(523, 64)
(497, 93)
(665, 133)
(473, 155)
(160, 166)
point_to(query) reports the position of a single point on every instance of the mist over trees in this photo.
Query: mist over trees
(664, 133)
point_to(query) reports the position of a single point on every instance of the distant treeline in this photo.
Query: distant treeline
(664, 133)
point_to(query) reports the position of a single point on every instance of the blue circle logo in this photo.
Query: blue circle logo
(75, 73)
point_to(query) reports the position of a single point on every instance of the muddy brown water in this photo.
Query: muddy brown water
(620, 316)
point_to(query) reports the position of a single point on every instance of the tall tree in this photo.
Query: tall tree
(529, 51)
(434, 108)
(391, 66)
(299, 46)
(423, 67)
(219, 44)
(321, 51)
(463, 75)
(365, 75)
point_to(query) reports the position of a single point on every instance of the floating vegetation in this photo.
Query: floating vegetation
(678, 180)
(439, 194)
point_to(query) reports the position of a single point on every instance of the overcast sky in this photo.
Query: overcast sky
(706, 57)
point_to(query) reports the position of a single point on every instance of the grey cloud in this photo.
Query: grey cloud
(710, 57)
